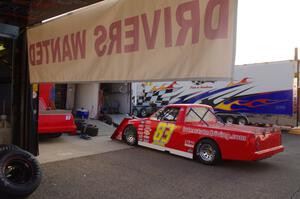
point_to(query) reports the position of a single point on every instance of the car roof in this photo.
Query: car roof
(190, 105)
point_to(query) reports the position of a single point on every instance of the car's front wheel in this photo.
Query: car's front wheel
(207, 152)
(135, 112)
(130, 135)
(143, 113)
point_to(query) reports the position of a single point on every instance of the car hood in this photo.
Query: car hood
(137, 120)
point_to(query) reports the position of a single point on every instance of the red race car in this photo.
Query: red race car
(193, 131)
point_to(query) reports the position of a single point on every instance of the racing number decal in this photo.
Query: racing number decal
(163, 133)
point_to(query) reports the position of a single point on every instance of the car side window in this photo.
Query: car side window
(168, 114)
(200, 114)
(210, 117)
(193, 115)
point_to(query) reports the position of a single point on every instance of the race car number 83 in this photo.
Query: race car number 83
(163, 133)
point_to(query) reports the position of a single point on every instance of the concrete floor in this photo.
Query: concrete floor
(68, 147)
(143, 173)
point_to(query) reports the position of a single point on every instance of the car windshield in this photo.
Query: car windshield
(166, 114)
(201, 114)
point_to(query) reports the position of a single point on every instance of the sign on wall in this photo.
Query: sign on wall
(136, 40)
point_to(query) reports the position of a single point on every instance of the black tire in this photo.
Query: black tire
(108, 120)
(229, 120)
(57, 135)
(130, 135)
(5, 148)
(20, 173)
(207, 152)
(241, 120)
(135, 112)
(79, 124)
(143, 112)
(91, 130)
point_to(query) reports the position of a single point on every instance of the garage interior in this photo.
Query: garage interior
(103, 101)
(5, 90)
(106, 103)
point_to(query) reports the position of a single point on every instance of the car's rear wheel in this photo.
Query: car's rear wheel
(242, 121)
(229, 120)
(207, 152)
(130, 135)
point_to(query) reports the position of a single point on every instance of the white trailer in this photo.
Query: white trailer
(259, 93)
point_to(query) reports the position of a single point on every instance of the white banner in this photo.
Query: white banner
(136, 40)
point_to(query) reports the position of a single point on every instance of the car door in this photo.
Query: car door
(163, 126)
(197, 123)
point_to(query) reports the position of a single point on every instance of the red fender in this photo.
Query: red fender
(117, 135)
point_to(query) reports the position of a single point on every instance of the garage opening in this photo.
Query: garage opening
(78, 119)
(6, 90)
(114, 102)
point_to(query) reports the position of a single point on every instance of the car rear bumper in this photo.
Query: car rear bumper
(71, 129)
(258, 155)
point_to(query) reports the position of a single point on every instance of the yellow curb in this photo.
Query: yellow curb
(295, 131)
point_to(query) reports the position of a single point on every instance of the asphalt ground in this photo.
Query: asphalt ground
(144, 173)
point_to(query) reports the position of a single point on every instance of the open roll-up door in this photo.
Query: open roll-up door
(134, 40)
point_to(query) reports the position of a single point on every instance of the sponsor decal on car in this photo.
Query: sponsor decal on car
(146, 137)
(140, 131)
(163, 133)
(189, 143)
(147, 132)
(190, 150)
(214, 133)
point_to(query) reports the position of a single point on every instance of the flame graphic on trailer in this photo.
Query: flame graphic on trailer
(259, 88)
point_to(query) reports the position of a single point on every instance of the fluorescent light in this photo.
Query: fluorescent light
(2, 47)
(62, 15)
(56, 17)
